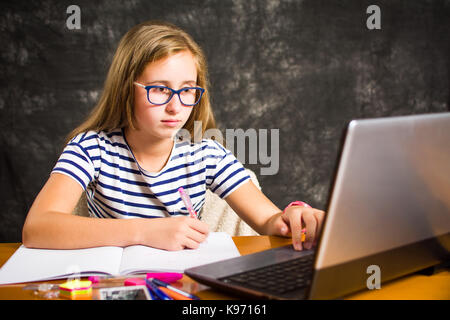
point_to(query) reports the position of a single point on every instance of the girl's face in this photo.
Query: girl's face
(163, 121)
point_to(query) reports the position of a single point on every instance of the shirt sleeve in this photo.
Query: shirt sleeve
(76, 163)
(227, 173)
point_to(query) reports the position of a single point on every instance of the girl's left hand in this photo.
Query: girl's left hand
(294, 219)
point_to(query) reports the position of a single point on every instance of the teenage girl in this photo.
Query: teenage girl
(128, 160)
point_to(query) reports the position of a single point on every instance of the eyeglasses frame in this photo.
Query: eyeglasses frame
(173, 93)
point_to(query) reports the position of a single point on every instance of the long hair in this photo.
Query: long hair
(145, 43)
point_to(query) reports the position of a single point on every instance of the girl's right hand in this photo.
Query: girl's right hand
(172, 234)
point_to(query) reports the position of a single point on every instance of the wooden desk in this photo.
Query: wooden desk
(415, 286)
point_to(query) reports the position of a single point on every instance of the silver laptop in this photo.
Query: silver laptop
(388, 215)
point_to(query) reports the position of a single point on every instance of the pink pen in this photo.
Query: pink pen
(187, 202)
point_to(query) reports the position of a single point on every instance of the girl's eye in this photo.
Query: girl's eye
(159, 90)
(188, 91)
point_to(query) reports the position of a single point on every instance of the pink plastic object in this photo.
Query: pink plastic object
(134, 282)
(94, 279)
(168, 277)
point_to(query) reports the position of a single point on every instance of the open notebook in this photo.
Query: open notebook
(27, 265)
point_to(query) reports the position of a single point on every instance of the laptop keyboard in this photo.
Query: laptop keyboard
(278, 278)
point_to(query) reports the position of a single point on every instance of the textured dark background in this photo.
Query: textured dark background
(304, 67)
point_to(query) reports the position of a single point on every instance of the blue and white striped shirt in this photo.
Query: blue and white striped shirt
(117, 187)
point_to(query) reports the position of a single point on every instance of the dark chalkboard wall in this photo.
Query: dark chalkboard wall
(303, 67)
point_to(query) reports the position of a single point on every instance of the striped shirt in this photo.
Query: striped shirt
(117, 187)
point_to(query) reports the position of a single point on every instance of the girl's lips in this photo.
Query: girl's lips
(170, 123)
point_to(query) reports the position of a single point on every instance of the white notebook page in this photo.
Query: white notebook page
(218, 246)
(27, 265)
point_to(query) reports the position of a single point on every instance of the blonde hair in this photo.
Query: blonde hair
(145, 43)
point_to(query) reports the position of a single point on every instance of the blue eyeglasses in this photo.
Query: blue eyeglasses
(159, 95)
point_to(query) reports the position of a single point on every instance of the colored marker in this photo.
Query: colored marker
(161, 295)
(174, 295)
(187, 202)
(160, 283)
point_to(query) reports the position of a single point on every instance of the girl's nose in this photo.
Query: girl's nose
(174, 105)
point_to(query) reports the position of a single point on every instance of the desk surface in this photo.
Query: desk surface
(410, 287)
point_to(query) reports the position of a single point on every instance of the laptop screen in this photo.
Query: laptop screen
(390, 205)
